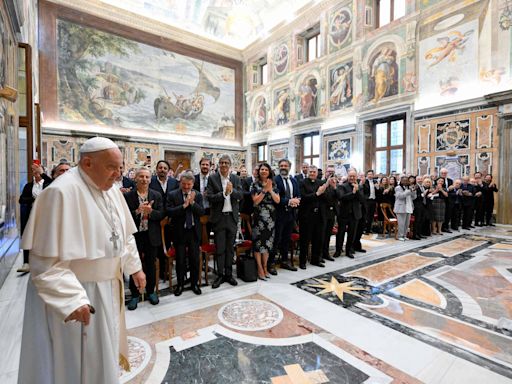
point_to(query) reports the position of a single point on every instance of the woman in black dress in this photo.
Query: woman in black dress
(265, 197)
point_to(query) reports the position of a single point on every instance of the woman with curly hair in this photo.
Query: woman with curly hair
(265, 197)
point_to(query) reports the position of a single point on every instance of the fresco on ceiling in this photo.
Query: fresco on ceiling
(281, 57)
(428, 3)
(104, 79)
(340, 86)
(448, 62)
(339, 29)
(307, 98)
(383, 73)
(282, 106)
(259, 113)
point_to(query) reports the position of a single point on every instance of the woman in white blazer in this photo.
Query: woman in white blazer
(404, 206)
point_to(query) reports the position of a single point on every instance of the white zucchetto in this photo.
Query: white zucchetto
(96, 144)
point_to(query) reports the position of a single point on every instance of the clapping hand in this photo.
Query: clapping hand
(321, 189)
(229, 188)
(267, 187)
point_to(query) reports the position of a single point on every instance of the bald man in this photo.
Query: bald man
(80, 237)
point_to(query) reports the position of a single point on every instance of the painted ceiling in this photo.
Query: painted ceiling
(236, 23)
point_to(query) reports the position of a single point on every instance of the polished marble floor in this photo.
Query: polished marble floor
(433, 311)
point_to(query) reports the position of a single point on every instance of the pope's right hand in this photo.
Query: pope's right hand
(81, 314)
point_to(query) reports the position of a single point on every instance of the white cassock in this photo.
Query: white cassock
(73, 262)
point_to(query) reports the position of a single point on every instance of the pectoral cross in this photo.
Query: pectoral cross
(114, 239)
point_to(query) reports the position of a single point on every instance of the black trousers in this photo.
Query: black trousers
(467, 215)
(340, 236)
(329, 223)
(148, 254)
(448, 208)
(370, 211)
(479, 210)
(187, 249)
(352, 228)
(311, 231)
(283, 232)
(225, 233)
(419, 219)
(456, 213)
(489, 207)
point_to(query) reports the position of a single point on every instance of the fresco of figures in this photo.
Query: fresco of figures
(383, 73)
(339, 28)
(104, 79)
(340, 86)
(259, 121)
(307, 98)
(282, 106)
(281, 58)
(448, 61)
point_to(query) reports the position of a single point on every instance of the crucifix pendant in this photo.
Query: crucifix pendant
(114, 239)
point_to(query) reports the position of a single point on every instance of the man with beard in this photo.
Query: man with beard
(285, 216)
(331, 207)
(304, 174)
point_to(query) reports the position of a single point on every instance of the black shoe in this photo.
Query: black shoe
(132, 304)
(447, 231)
(468, 228)
(336, 254)
(218, 281)
(153, 298)
(360, 250)
(196, 289)
(328, 258)
(288, 267)
(350, 255)
(272, 271)
(302, 266)
(178, 290)
(491, 225)
(231, 280)
(318, 265)
(471, 226)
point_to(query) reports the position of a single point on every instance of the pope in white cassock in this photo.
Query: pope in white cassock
(80, 237)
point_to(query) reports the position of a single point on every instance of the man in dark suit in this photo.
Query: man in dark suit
(185, 207)
(161, 182)
(489, 189)
(351, 199)
(468, 202)
(370, 187)
(224, 193)
(29, 194)
(146, 207)
(479, 200)
(201, 181)
(247, 206)
(311, 224)
(448, 203)
(285, 216)
(304, 174)
(331, 207)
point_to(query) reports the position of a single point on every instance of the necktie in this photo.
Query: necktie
(188, 216)
(286, 188)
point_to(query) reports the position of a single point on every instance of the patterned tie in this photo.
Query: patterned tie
(188, 216)
(286, 188)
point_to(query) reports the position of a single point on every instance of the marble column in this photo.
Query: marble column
(504, 214)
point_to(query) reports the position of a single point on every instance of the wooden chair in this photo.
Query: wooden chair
(389, 221)
(246, 244)
(169, 252)
(207, 250)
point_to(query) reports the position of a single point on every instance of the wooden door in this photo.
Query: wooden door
(177, 158)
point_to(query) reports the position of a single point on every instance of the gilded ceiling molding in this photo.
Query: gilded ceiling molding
(148, 25)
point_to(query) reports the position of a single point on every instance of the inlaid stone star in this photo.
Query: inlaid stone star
(334, 286)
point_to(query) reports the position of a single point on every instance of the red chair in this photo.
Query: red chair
(207, 250)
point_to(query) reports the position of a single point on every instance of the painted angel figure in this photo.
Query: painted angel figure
(448, 47)
(340, 89)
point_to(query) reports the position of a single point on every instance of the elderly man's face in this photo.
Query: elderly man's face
(352, 177)
(104, 167)
(456, 184)
(419, 179)
(143, 178)
(61, 169)
(444, 173)
(465, 179)
(312, 173)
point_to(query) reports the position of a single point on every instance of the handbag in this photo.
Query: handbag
(246, 269)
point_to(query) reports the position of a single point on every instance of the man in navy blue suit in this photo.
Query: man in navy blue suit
(161, 182)
(286, 212)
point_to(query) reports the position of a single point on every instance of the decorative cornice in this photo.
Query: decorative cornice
(121, 16)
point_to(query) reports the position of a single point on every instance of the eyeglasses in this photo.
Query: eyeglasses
(224, 162)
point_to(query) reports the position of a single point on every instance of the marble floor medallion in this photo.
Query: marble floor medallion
(250, 315)
(139, 354)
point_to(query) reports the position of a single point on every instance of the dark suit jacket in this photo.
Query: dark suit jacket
(247, 206)
(450, 182)
(215, 195)
(350, 202)
(309, 199)
(172, 184)
(300, 178)
(366, 189)
(197, 184)
(158, 213)
(177, 214)
(26, 200)
(129, 183)
(468, 200)
(330, 201)
(283, 208)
